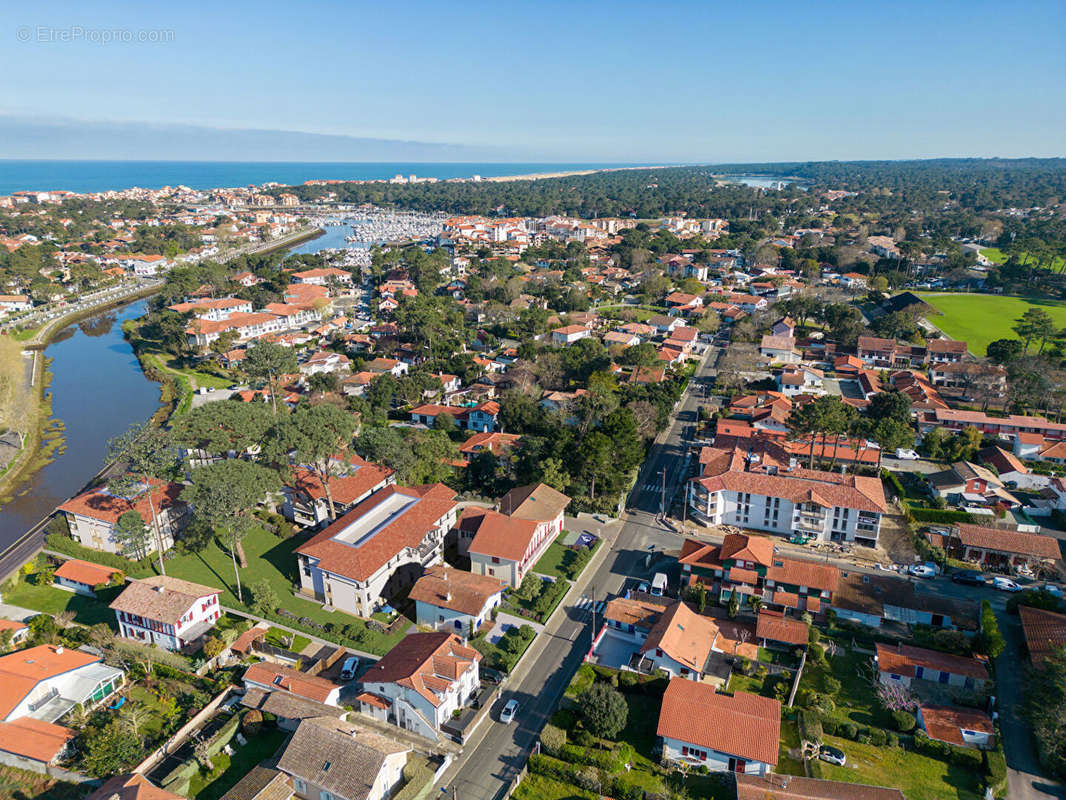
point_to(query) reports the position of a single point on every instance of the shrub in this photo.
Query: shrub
(864, 737)
(989, 641)
(849, 730)
(252, 722)
(816, 652)
(830, 685)
(893, 739)
(996, 770)
(604, 710)
(967, 758)
(904, 721)
(814, 635)
(810, 726)
(552, 739)
(878, 737)
(830, 726)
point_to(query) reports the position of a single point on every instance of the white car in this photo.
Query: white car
(509, 711)
(923, 571)
(906, 454)
(1005, 585)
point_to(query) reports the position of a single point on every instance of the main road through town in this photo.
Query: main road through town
(497, 752)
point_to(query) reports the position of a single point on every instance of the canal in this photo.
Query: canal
(98, 391)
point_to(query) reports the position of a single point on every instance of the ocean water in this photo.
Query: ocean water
(100, 176)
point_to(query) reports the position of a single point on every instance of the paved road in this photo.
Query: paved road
(497, 753)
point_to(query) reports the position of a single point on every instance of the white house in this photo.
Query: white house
(166, 611)
(81, 577)
(568, 334)
(382, 545)
(93, 515)
(505, 544)
(904, 664)
(797, 380)
(14, 302)
(421, 681)
(455, 600)
(779, 349)
(328, 759)
(702, 727)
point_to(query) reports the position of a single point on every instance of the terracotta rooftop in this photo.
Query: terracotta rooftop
(85, 572)
(497, 534)
(1007, 541)
(406, 527)
(34, 738)
(455, 589)
(106, 507)
(427, 663)
(630, 611)
(291, 680)
(346, 489)
(947, 722)
(538, 502)
(1045, 632)
(743, 724)
(131, 786)
(161, 597)
(903, 659)
(774, 625)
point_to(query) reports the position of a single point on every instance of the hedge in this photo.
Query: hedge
(810, 726)
(225, 733)
(996, 769)
(67, 546)
(960, 756)
(178, 778)
(942, 516)
(416, 775)
(894, 482)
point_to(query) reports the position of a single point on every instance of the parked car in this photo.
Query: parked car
(970, 577)
(509, 711)
(832, 755)
(349, 668)
(642, 587)
(490, 675)
(923, 571)
(1053, 589)
(906, 454)
(1005, 584)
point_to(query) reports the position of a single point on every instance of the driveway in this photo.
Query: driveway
(1024, 779)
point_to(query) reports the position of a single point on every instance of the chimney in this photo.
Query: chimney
(447, 597)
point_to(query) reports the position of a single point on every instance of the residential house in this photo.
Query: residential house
(40, 686)
(665, 324)
(93, 516)
(382, 365)
(1010, 469)
(328, 759)
(749, 566)
(1045, 632)
(166, 611)
(784, 327)
(451, 599)
(273, 677)
(325, 361)
(131, 786)
(774, 629)
(568, 334)
(323, 276)
(422, 681)
(767, 490)
(496, 443)
(876, 600)
(970, 484)
(83, 577)
(352, 482)
(1000, 548)
(508, 542)
(963, 727)
(954, 420)
(702, 727)
(780, 350)
(793, 381)
(379, 547)
(944, 351)
(684, 644)
(15, 631)
(903, 664)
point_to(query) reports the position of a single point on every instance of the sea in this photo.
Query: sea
(102, 176)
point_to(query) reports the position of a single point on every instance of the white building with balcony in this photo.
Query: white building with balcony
(382, 545)
(166, 611)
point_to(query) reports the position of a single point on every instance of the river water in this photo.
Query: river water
(98, 391)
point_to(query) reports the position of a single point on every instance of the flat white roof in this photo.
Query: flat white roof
(373, 521)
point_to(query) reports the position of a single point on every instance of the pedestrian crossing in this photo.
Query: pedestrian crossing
(585, 603)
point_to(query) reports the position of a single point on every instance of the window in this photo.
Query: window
(326, 795)
(495, 560)
(299, 785)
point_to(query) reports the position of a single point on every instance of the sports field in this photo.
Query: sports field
(997, 256)
(981, 318)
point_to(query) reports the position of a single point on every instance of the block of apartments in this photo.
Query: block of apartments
(382, 545)
(758, 484)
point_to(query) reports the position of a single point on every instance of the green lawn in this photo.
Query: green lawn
(979, 319)
(53, 601)
(272, 558)
(230, 769)
(280, 638)
(538, 787)
(561, 561)
(994, 254)
(918, 777)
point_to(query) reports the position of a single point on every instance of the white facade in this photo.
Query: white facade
(388, 779)
(780, 515)
(415, 712)
(195, 621)
(458, 622)
(99, 534)
(513, 571)
(677, 751)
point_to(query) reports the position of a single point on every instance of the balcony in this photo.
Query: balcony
(807, 524)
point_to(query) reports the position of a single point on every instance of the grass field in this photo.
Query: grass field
(918, 777)
(979, 319)
(997, 256)
(269, 557)
(52, 601)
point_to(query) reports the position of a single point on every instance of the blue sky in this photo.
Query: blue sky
(601, 81)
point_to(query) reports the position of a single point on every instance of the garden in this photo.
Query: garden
(503, 654)
(536, 598)
(566, 561)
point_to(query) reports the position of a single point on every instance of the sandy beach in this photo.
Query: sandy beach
(540, 175)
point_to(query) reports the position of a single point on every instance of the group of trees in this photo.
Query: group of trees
(885, 421)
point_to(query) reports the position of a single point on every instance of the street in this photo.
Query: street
(497, 753)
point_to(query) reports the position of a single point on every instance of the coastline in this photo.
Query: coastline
(535, 176)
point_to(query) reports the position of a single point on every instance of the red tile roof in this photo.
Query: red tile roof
(1007, 541)
(34, 738)
(775, 626)
(131, 786)
(22, 670)
(102, 505)
(1045, 632)
(744, 725)
(946, 722)
(85, 572)
(406, 529)
(299, 683)
(538, 502)
(903, 659)
(498, 535)
(346, 489)
(455, 589)
(427, 663)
